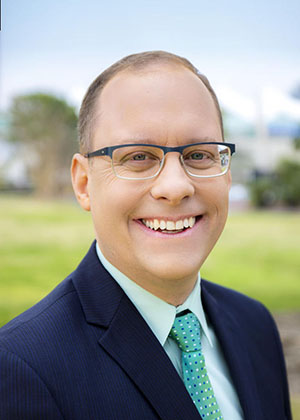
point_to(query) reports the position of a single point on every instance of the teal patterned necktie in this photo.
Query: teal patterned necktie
(186, 333)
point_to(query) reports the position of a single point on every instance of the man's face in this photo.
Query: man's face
(168, 106)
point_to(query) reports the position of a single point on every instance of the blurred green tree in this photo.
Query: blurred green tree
(282, 187)
(288, 172)
(297, 143)
(263, 191)
(44, 126)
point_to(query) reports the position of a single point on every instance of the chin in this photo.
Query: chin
(173, 268)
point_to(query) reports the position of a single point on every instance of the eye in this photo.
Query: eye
(137, 157)
(198, 156)
(140, 156)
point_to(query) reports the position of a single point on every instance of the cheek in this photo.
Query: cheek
(221, 205)
(221, 198)
(221, 208)
(113, 202)
(216, 193)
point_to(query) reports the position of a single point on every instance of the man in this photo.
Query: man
(133, 333)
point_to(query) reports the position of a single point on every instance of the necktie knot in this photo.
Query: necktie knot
(186, 332)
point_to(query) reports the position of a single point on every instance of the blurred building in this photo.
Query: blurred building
(266, 138)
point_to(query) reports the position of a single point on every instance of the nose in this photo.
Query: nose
(172, 184)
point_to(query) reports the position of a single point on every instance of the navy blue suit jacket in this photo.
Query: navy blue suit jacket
(84, 352)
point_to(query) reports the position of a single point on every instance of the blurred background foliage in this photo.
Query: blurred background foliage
(278, 188)
(43, 127)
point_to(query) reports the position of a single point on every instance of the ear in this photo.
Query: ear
(80, 180)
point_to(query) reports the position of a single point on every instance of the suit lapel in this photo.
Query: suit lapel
(234, 345)
(130, 342)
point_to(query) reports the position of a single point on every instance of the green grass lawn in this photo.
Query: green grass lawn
(41, 242)
(296, 408)
(259, 254)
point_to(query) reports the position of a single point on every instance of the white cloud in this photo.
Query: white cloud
(276, 103)
(237, 103)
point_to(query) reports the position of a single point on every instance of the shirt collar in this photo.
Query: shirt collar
(158, 314)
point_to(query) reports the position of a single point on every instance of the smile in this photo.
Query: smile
(170, 226)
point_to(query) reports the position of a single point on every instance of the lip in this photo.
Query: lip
(159, 234)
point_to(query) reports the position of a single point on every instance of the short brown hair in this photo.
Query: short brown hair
(134, 62)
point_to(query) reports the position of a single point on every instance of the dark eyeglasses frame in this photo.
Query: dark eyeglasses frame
(108, 151)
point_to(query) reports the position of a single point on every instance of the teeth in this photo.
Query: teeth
(156, 224)
(192, 221)
(170, 225)
(162, 225)
(179, 224)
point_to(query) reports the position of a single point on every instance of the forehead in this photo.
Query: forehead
(161, 99)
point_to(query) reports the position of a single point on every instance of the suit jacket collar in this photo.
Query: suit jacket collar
(129, 340)
(99, 294)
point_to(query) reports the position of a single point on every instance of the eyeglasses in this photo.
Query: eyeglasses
(145, 161)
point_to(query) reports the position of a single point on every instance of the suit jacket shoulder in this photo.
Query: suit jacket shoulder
(251, 344)
(244, 309)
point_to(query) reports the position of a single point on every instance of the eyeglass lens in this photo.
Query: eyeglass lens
(141, 162)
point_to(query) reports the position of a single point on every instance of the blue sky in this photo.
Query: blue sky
(62, 45)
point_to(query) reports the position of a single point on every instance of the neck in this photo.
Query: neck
(172, 288)
(174, 292)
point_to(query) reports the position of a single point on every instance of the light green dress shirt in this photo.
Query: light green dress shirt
(160, 316)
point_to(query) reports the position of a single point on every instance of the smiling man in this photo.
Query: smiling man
(134, 332)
